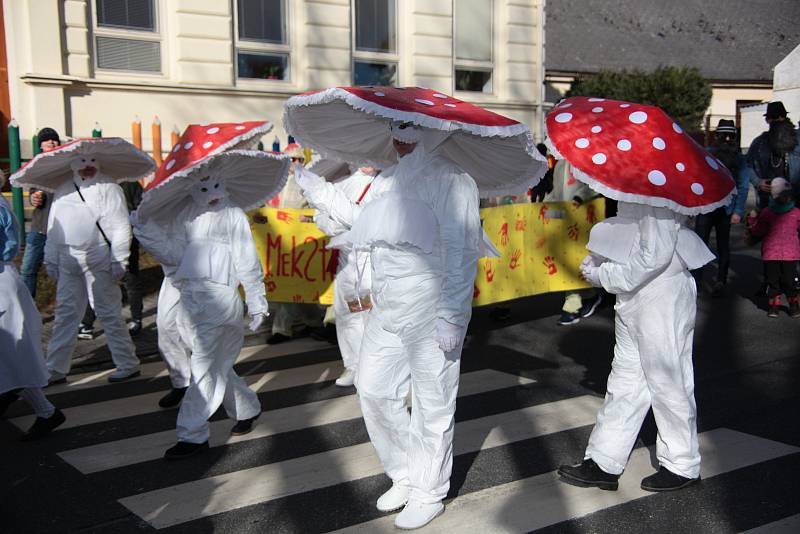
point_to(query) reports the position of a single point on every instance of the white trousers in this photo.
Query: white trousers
(349, 329)
(652, 366)
(396, 354)
(173, 350)
(210, 319)
(76, 281)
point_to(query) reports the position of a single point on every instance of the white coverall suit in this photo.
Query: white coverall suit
(214, 251)
(349, 325)
(422, 230)
(79, 257)
(649, 254)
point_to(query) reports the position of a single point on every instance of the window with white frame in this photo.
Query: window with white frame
(473, 45)
(262, 41)
(375, 56)
(126, 35)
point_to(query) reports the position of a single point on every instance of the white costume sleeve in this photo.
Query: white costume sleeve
(247, 263)
(331, 200)
(114, 222)
(165, 244)
(460, 234)
(53, 241)
(658, 240)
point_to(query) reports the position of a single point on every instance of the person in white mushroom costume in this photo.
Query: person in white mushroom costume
(637, 155)
(419, 226)
(192, 220)
(88, 242)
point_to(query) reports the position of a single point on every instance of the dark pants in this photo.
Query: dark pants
(780, 277)
(720, 221)
(32, 259)
(133, 288)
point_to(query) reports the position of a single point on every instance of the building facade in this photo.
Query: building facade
(74, 63)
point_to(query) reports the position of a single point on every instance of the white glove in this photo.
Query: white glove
(591, 273)
(256, 321)
(52, 270)
(134, 218)
(307, 180)
(117, 270)
(448, 335)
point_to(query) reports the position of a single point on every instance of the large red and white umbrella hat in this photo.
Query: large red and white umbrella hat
(636, 153)
(116, 159)
(352, 124)
(251, 177)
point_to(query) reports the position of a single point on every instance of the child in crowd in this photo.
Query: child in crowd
(779, 224)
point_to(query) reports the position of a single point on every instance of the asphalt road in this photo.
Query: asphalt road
(529, 393)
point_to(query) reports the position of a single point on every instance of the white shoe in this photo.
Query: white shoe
(418, 514)
(120, 375)
(394, 499)
(347, 378)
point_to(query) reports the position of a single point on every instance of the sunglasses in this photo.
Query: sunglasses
(298, 160)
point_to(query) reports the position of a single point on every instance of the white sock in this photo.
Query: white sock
(41, 406)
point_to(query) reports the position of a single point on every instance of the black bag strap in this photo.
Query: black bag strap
(96, 222)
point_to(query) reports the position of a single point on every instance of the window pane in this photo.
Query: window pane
(128, 54)
(263, 66)
(375, 25)
(134, 14)
(474, 80)
(474, 30)
(365, 73)
(262, 20)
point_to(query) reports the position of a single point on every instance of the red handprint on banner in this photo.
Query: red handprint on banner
(504, 234)
(543, 214)
(271, 286)
(573, 232)
(487, 266)
(550, 263)
(285, 217)
(522, 222)
(297, 298)
(475, 292)
(540, 242)
(591, 216)
(514, 263)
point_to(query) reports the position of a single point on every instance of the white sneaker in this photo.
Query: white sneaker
(120, 375)
(394, 499)
(347, 378)
(418, 514)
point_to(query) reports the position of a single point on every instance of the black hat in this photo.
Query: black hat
(48, 134)
(726, 126)
(775, 110)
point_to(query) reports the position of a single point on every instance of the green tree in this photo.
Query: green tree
(680, 91)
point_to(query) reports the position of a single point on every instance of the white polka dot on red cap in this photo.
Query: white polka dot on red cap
(624, 145)
(439, 95)
(677, 128)
(240, 127)
(170, 164)
(657, 178)
(423, 101)
(638, 117)
(597, 100)
(680, 166)
(712, 163)
(659, 143)
(582, 142)
(378, 93)
(697, 189)
(212, 130)
(450, 105)
(176, 147)
(563, 117)
(597, 129)
(565, 105)
(599, 158)
(598, 109)
(624, 105)
(208, 144)
(188, 145)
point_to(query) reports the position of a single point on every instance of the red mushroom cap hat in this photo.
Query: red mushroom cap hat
(251, 177)
(636, 153)
(352, 124)
(119, 160)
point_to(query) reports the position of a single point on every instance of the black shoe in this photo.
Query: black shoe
(173, 398)
(274, 339)
(85, 332)
(324, 333)
(243, 427)
(184, 449)
(589, 308)
(568, 318)
(589, 475)
(134, 327)
(774, 311)
(43, 426)
(7, 399)
(666, 480)
(794, 311)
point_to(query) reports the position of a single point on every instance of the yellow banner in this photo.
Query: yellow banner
(542, 246)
